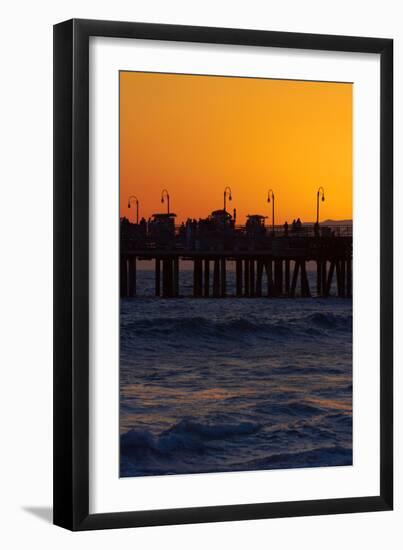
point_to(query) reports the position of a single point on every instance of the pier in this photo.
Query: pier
(269, 261)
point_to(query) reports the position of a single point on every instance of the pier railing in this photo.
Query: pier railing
(306, 230)
(201, 236)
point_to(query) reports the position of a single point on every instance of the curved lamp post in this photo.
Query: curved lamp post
(165, 193)
(270, 198)
(134, 198)
(227, 189)
(320, 193)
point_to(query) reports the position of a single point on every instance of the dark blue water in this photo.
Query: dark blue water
(233, 384)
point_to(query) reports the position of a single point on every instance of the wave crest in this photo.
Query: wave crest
(186, 435)
(312, 325)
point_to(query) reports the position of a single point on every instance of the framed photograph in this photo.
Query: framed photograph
(223, 242)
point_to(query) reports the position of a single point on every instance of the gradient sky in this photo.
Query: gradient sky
(195, 135)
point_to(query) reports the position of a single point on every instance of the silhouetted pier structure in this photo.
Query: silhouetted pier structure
(269, 262)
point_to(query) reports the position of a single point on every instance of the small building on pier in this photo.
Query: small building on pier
(221, 219)
(161, 227)
(255, 224)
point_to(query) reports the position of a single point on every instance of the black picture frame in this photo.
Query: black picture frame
(71, 274)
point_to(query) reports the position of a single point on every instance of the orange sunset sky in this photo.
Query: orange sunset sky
(194, 135)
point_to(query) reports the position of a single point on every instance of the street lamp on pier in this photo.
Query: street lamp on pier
(227, 189)
(270, 198)
(165, 194)
(134, 198)
(320, 193)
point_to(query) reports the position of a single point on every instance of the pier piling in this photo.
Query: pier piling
(197, 278)
(206, 278)
(238, 269)
(294, 278)
(318, 278)
(157, 277)
(123, 278)
(247, 277)
(324, 278)
(132, 276)
(343, 278)
(287, 277)
(330, 277)
(278, 277)
(252, 278)
(216, 278)
(223, 278)
(259, 278)
(270, 283)
(349, 278)
(176, 276)
(167, 278)
(305, 290)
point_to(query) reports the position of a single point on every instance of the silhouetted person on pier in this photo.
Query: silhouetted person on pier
(298, 225)
(143, 226)
(286, 229)
(188, 232)
(294, 226)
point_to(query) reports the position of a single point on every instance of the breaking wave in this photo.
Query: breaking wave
(193, 447)
(186, 435)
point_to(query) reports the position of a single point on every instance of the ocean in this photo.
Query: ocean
(216, 385)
